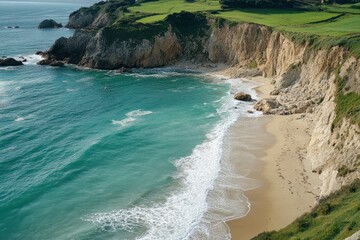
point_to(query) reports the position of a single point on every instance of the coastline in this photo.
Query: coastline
(287, 187)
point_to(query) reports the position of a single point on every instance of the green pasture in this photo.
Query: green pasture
(343, 8)
(276, 17)
(345, 25)
(173, 6)
(334, 20)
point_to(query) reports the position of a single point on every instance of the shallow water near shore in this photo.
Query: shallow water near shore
(88, 154)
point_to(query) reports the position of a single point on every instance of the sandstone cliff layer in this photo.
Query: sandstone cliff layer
(304, 78)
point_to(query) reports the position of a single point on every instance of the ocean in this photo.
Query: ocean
(90, 154)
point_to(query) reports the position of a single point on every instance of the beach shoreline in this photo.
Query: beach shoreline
(268, 155)
(287, 186)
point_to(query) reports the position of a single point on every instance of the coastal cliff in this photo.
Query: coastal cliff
(306, 80)
(322, 82)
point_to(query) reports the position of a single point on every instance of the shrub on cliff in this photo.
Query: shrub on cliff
(187, 23)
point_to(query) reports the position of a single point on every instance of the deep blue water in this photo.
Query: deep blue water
(88, 154)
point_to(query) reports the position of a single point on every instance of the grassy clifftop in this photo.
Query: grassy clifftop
(337, 24)
(320, 22)
(324, 26)
(336, 217)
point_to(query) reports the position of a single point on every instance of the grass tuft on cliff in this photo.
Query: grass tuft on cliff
(347, 104)
(335, 217)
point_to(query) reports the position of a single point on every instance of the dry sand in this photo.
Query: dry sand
(288, 188)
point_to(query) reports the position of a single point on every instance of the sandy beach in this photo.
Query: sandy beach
(287, 187)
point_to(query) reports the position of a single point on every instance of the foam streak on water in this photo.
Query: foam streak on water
(131, 117)
(181, 215)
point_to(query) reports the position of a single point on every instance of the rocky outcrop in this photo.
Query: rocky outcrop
(49, 23)
(303, 77)
(6, 62)
(109, 48)
(52, 63)
(243, 97)
(160, 52)
(88, 19)
(267, 106)
(70, 50)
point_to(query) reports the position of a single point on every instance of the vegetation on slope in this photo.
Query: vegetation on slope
(347, 104)
(183, 24)
(115, 7)
(335, 217)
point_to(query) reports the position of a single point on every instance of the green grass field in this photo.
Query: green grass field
(276, 17)
(173, 6)
(345, 25)
(311, 22)
(344, 8)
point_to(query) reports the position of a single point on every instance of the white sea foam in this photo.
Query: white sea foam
(7, 68)
(197, 209)
(131, 117)
(85, 79)
(211, 115)
(183, 209)
(31, 59)
(19, 119)
(71, 89)
(123, 122)
(162, 73)
(138, 113)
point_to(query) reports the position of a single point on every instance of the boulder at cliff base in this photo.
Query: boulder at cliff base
(243, 97)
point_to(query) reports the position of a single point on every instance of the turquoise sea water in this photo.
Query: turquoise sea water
(88, 154)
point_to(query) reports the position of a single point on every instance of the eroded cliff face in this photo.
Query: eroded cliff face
(133, 53)
(303, 78)
(335, 151)
(304, 82)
